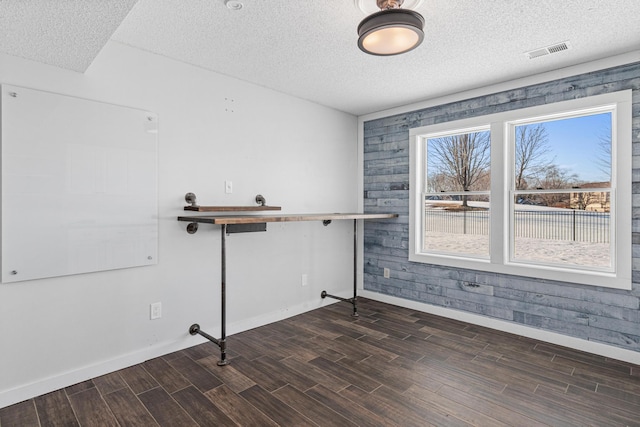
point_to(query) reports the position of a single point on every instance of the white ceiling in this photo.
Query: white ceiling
(307, 48)
(67, 34)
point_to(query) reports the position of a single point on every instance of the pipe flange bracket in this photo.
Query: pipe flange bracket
(191, 199)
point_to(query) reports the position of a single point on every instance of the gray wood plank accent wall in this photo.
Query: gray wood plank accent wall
(598, 314)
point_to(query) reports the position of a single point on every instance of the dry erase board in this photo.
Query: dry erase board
(79, 185)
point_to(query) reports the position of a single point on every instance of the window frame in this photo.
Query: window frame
(501, 191)
(424, 141)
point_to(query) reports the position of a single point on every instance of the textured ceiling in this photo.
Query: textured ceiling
(65, 33)
(307, 48)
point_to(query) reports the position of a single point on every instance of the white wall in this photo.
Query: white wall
(299, 155)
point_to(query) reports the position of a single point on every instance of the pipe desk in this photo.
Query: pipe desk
(252, 223)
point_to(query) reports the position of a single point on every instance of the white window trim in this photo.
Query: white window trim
(500, 193)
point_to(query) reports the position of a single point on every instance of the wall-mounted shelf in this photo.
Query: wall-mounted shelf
(194, 207)
(231, 208)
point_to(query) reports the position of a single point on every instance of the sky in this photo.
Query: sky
(575, 145)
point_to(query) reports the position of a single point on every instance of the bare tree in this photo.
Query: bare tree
(604, 153)
(581, 200)
(438, 182)
(460, 160)
(531, 153)
(555, 178)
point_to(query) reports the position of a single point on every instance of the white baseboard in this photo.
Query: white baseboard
(46, 385)
(65, 379)
(513, 328)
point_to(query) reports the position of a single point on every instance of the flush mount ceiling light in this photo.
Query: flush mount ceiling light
(391, 31)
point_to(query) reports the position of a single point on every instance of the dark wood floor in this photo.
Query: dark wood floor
(390, 367)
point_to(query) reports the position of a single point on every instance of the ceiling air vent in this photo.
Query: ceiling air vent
(555, 48)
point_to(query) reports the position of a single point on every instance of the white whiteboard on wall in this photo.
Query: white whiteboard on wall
(79, 185)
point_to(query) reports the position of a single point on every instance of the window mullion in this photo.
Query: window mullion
(499, 195)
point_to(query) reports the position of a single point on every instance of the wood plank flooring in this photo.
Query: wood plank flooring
(390, 367)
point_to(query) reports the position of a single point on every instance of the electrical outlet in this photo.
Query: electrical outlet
(155, 310)
(228, 187)
(387, 273)
(305, 280)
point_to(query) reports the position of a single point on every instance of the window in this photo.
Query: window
(542, 192)
(561, 186)
(456, 200)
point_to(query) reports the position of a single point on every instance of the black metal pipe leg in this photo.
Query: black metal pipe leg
(223, 298)
(222, 344)
(355, 268)
(351, 301)
(223, 354)
(195, 328)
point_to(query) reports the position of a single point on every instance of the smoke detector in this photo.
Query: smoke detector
(548, 50)
(233, 4)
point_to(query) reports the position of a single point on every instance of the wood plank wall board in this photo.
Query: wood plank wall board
(602, 315)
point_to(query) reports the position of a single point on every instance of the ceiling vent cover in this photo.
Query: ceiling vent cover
(555, 48)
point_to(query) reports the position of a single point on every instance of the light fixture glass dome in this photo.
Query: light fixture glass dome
(390, 32)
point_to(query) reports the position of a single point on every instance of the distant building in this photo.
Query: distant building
(596, 201)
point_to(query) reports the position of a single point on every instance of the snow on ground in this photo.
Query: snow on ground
(561, 252)
(547, 238)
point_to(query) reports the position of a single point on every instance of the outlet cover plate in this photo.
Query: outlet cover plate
(155, 310)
